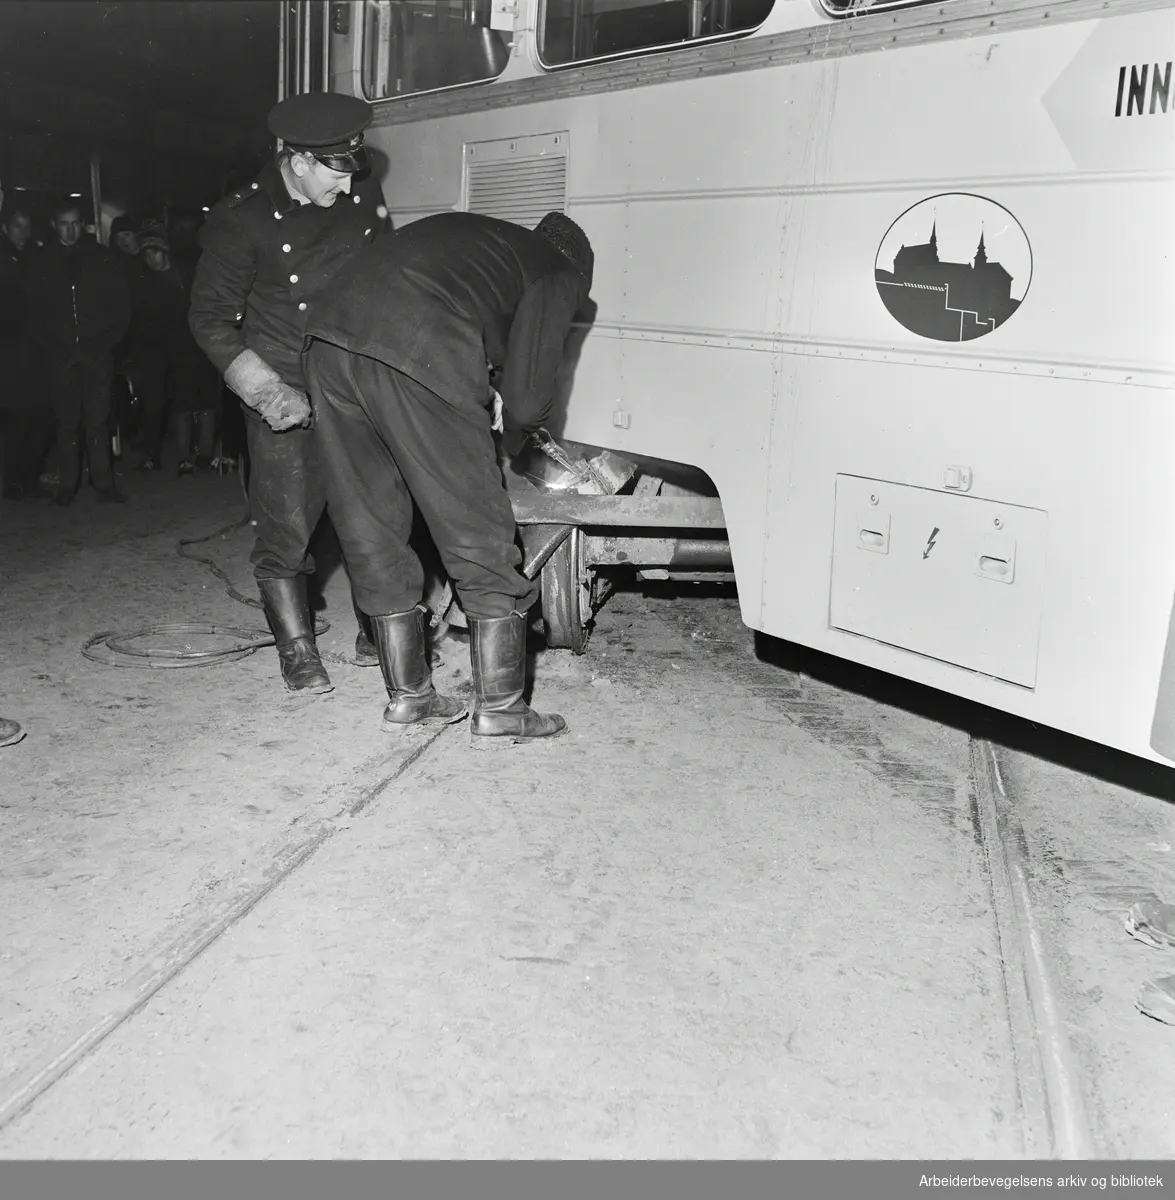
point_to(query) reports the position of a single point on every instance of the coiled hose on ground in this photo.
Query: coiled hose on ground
(175, 645)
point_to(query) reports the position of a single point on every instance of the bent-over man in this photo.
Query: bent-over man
(268, 250)
(399, 382)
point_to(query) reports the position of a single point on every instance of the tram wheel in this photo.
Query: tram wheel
(567, 596)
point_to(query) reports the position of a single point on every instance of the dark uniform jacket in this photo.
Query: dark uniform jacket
(451, 293)
(265, 259)
(78, 306)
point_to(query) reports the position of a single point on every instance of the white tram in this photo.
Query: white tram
(896, 279)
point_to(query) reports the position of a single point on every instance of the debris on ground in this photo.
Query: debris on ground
(1157, 999)
(1152, 923)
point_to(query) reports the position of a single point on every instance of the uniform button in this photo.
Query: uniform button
(286, 248)
(240, 316)
(355, 198)
(302, 306)
(254, 187)
(366, 232)
(293, 279)
(277, 216)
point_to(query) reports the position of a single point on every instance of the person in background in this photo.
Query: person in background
(268, 250)
(184, 226)
(124, 238)
(26, 421)
(405, 341)
(124, 244)
(17, 229)
(177, 377)
(78, 309)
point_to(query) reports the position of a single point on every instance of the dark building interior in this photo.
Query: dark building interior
(156, 105)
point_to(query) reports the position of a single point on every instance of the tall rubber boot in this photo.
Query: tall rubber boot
(497, 652)
(287, 608)
(365, 652)
(399, 638)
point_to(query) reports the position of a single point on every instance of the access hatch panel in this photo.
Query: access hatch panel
(955, 578)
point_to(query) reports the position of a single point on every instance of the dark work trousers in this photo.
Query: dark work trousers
(80, 392)
(386, 440)
(27, 433)
(286, 498)
(148, 374)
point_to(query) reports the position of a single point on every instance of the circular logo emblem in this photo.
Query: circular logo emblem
(953, 267)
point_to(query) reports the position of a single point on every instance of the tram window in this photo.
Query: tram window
(849, 8)
(414, 46)
(575, 30)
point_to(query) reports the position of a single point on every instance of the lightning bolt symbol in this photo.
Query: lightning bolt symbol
(930, 542)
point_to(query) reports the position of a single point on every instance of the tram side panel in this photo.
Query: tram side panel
(1061, 414)
(708, 171)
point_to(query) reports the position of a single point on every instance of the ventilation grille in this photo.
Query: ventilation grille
(517, 179)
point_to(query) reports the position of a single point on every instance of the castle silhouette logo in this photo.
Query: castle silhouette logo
(953, 267)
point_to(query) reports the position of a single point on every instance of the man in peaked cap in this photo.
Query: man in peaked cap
(327, 126)
(268, 250)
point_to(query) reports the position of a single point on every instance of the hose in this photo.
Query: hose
(115, 649)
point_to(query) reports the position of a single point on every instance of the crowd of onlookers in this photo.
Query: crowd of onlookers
(98, 360)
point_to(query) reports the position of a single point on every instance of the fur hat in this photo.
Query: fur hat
(153, 236)
(124, 224)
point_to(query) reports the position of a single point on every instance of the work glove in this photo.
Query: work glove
(261, 388)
